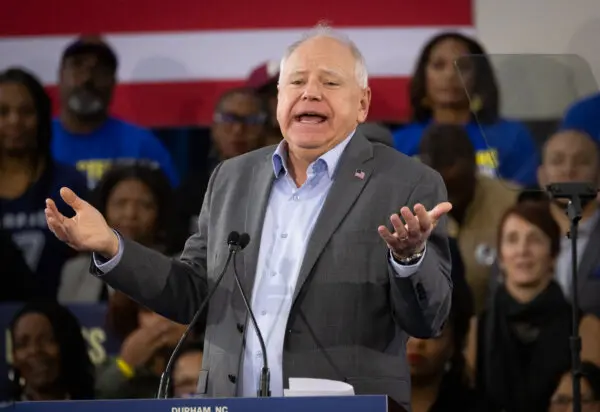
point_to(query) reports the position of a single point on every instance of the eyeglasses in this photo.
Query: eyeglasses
(561, 403)
(231, 118)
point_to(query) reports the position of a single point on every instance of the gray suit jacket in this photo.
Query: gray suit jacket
(588, 271)
(351, 316)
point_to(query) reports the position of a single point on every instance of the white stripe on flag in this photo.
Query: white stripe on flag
(217, 55)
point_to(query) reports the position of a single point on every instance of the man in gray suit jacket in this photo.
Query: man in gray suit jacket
(331, 300)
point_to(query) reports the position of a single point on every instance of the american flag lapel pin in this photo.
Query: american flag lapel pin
(360, 174)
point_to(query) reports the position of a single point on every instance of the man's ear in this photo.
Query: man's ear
(364, 104)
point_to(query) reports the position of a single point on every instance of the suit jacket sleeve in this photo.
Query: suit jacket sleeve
(421, 302)
(173, 288)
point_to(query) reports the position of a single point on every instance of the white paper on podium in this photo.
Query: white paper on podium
(317, 387)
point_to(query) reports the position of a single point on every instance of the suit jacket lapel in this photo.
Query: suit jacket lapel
(260, 183)
(344, 191)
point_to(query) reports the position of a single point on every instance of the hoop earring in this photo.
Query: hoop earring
(17, 384)
(447, 366)
(14, 377)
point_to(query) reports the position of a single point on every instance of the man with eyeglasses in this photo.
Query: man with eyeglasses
(562, 400)
(238, 124)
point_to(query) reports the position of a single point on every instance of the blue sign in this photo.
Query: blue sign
(371, 403)
(92, 317)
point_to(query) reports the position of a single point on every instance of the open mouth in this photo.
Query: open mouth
(310, 118)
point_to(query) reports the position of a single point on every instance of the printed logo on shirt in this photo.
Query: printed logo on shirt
(28, 234)
(488, 163)
(94, 169)
(23, 220)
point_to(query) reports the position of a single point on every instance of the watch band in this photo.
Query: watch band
(410, 260)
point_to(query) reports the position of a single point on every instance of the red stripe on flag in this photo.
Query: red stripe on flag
(187, 104)
(32, 17)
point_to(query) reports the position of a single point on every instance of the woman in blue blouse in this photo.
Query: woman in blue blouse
(504, 148)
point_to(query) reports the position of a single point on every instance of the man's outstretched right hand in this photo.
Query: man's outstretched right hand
(86, 231)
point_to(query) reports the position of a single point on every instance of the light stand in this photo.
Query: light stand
(576, 193)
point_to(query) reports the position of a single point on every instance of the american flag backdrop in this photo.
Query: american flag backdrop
(177, 56)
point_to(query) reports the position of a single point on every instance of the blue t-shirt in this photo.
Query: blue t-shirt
(584, 115)
(25, 220)
(507, 150)
(94, 153)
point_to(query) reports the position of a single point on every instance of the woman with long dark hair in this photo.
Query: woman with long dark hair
(50, 355)
(28, 176)
(454, 83)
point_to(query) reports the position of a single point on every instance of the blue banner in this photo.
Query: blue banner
(92, 317)
(372, 403)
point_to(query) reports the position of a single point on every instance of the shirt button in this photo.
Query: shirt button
(295, 197)
(264, 312)
(240, 328)
(283, 235)
(259, 354)
(232, 378)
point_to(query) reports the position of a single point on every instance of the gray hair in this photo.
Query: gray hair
(324, 30)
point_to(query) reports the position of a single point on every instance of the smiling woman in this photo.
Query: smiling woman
(520, 346)
(50, 355)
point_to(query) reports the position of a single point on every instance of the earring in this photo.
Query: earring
(16, 378)
(13, 376)
(476, 104)
(447, 366)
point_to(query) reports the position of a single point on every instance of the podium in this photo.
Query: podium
(366, 403)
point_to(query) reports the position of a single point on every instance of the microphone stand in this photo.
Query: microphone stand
(576, 193)
(264, 390)
(165, 378)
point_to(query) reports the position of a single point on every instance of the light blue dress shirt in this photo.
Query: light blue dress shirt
(289, 220)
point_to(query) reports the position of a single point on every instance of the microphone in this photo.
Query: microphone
(244, 240)
(264, 389)
(233, 240)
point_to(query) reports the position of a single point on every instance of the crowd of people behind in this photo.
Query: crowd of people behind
(506, 344)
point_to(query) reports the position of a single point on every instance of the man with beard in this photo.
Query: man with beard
(85, 135)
